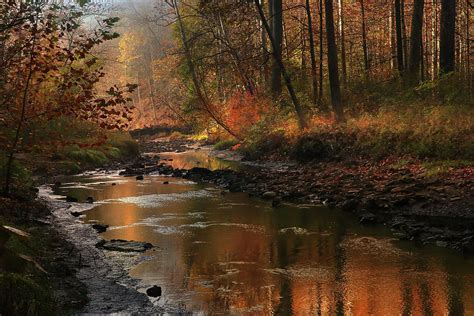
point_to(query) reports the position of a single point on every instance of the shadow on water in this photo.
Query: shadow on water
(233, 254)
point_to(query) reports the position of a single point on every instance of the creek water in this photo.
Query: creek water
(231, 254)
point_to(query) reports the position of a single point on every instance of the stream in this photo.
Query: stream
(228, 253)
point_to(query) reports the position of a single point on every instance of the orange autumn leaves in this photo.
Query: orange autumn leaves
(242, 111)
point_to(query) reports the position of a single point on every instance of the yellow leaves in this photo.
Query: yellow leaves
(129, 44)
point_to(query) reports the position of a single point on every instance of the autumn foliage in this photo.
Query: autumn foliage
(48, 72)
(244, 110)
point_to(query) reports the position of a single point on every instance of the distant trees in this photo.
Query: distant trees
(278, 60)
(313, 44)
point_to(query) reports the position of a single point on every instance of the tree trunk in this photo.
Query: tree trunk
(21, 119)
(398, 26)
(416, 41)
(314, 79)
(321, 55)
(277, 34)
(468, 44)
(404, 35)
(393, 38)
(364, 39)
(279, 62)
(265, 54)
(343, 41)
(434, 40)
(333, 63)
(447, 35)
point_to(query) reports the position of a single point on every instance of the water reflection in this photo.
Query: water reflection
(235, 255)
(198, 158)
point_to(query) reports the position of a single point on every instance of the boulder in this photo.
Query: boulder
(269, 195)
(367, 218)
(100, 228)
(349, 205)
(90, 200)
(154, 291)
(139, 178)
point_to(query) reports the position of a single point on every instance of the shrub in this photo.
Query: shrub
(244, 111)
(19, 174)
(22, 296)
(124, 142)
(225, 144)
(265, 144)
(311, 147)
(177, 136)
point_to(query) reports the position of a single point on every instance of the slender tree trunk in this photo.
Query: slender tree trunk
(416, 41)
(265, 54)
(447, 36)
(152, 97)
(314, 79)
(21, 119)
(434, 40)
(303, 17)
(321, 55)
(279, 61)
(364, 39)
(422, 60)
(393, 39)
(333, 63)
(398, 26)
(404, 35)
(277, 34)
(343, 41)
(468, 44)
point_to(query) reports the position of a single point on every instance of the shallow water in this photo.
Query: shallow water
(231, 254)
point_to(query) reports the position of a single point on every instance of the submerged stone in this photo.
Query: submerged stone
(124, 245)
(71, 199)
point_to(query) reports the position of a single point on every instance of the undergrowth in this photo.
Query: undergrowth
(433, 122)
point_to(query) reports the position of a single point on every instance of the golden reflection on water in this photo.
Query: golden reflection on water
(199, 158)
(235, 255)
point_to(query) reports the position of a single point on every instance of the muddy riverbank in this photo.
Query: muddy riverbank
(104, 275)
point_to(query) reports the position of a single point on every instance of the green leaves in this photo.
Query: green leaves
(82, 2)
